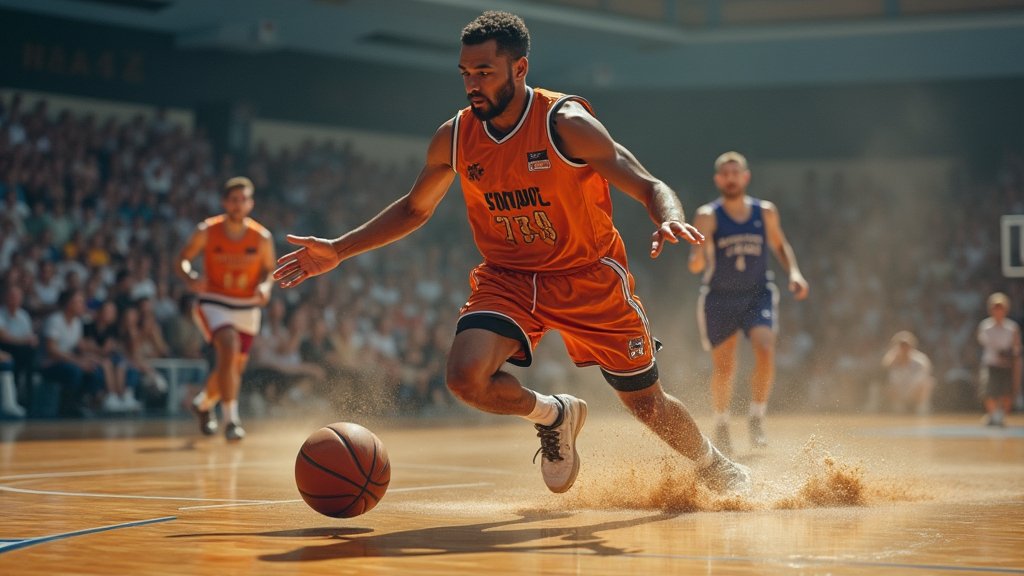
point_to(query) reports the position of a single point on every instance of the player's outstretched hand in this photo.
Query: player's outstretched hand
(316, 256)
(799, 286)
(672, 231)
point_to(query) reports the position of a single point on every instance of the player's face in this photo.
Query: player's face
(238, 203)
(732, 179)
(489, 78)
(998, 312)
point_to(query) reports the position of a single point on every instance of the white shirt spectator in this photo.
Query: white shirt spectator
(46, 294)
(997, 342)
(144, 288)
(16, 325)
(66, 335)
(910, 373)
(16, 133)
(8, 246)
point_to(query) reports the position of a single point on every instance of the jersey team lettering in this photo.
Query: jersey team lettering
(515, 199)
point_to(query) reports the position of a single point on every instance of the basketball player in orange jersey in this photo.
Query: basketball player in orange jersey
(738, 292)
(238, 257)
(534, 166)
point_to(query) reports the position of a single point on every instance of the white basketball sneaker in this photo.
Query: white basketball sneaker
(561, 463)
(724, 475)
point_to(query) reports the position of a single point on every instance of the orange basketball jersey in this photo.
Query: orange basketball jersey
(233, 265)
(530, 207)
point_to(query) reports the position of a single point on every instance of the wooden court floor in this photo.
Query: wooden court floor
(833, 495)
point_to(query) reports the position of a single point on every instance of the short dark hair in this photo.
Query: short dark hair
(506, 28)
(238, 182)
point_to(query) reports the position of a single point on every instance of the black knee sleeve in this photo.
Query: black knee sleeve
(633, 382)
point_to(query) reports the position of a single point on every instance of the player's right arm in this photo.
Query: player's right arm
(319, 255)
(704, 221)
(185, 271)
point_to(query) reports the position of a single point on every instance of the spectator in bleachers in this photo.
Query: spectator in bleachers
(78, 374)
(45, 290)
(9, 407)
(101, 338)
(910, 380)
(184, 340)
(143, 342)
(276, 365)
(17, 336)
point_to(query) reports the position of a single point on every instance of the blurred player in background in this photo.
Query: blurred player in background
(534, 166)
(238, 258)
(1000, 342)
(738, 292)
(910, 377)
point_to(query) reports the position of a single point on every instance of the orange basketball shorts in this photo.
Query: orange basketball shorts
(600, 319)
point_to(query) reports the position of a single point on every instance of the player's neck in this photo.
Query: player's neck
(234, 225)
(507, 120)
(738, 201)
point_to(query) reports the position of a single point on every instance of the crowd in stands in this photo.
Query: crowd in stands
(888, 259)
(93, 213)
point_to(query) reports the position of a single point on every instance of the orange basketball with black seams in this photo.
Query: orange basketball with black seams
(342, 470)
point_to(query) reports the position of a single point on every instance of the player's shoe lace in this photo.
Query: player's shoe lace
(549, 444)
(560, 463)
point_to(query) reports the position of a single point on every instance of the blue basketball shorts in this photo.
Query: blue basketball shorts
(721, 313)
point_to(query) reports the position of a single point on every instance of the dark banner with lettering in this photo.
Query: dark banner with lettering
(85, 59)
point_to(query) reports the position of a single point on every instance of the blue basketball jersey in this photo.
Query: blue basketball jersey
(741, 256)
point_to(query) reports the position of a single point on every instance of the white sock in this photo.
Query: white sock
(9, 394)
(758, 409)
(721, 418)
(709, 455)
(545, 411)
(199, 399)
(231, 411)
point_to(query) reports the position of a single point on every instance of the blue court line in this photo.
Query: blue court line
(17, 545)
(814, 561)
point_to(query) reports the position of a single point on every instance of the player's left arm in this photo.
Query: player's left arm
(268, 261)
(783, 251)
(582, 136)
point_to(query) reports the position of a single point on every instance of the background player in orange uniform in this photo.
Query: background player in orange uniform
(238, 257)
(534, 168)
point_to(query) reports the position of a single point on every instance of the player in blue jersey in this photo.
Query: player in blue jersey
(738, 292)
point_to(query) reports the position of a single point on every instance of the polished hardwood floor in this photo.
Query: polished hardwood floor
(833, 494)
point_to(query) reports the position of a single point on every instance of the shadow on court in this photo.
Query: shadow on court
(441, 540)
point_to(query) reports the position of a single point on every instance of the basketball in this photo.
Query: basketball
(342, 470)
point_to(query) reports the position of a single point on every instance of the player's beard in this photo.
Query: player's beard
(733, 191)
(494, 108)
(236, 217)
